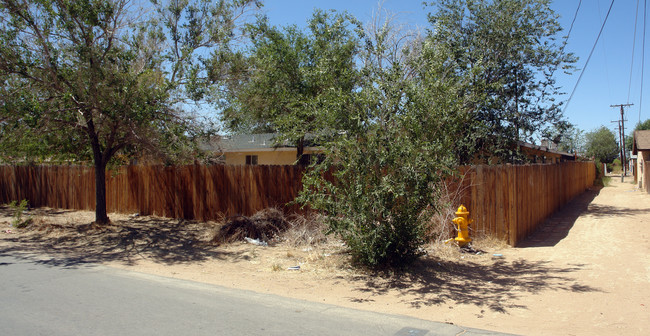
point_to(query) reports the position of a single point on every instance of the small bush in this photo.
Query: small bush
(601, 180)
(440, 227)
(615, 167)
(381, 196)
(19, 209)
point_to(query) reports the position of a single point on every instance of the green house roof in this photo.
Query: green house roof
(252, 141)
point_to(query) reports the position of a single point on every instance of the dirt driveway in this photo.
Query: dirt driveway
(585, 272)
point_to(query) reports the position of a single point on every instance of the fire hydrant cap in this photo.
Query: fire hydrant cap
(462, 210)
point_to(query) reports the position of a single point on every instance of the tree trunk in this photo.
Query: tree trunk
(300, 149)
(100, 160)
(100, 193)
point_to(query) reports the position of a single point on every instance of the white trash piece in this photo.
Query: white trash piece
(256, 241)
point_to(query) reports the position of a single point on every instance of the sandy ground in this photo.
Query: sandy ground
(586, 271)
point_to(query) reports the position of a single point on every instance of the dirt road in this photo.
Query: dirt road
(585, 272)
(602, 242)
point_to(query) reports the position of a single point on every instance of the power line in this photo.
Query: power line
(636, 20)
(566, 41)
(604, 50)
(645, 19)
(589, 58)
(575, 16)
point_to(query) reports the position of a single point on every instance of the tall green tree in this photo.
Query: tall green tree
(644, 125)
(506, 52)
(387, 164)
(572, 140)
(568, 138)
(297, 82)
(481, 79)
(94, 78)
(601, 144)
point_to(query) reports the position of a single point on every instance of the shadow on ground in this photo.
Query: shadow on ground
(495, 287)
(167, 241)
(601, 210)
(555, 228)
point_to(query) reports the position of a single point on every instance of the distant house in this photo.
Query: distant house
(261, 149)
(266, 149)
(641, 148)
(545, 153)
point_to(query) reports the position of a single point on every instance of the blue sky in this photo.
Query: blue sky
(606, 78)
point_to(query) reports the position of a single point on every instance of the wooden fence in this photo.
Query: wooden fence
(190, 192)
(504, 201)
(510, 201)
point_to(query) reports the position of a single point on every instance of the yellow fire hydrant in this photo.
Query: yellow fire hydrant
(462, 222)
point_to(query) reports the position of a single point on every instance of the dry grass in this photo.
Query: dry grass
(482, 250)
(489, 243)
(305, 243)
(265, 225)
(441, 227)
(301, 239)
(445, 251)
(306, 230)
(296, 230)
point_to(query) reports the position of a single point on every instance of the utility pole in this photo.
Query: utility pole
(623, 160)
(621, 147)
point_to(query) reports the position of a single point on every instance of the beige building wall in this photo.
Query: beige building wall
(280, 156)
(642, 158)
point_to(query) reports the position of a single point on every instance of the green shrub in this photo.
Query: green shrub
(381, 197)
(18, 209)
(615, 167)
(599, 169)
(601, 180)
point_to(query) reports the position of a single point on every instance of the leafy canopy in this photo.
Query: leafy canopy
(386, 166)
(481, 79)
(602, 145)
(297, 83)
(645, 125)
(506, 52)
(91, 79)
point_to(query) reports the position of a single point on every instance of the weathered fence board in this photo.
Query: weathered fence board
(504, 201)
(510, 201)
(191, 192)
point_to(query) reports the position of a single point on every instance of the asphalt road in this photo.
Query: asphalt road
(37, 297)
